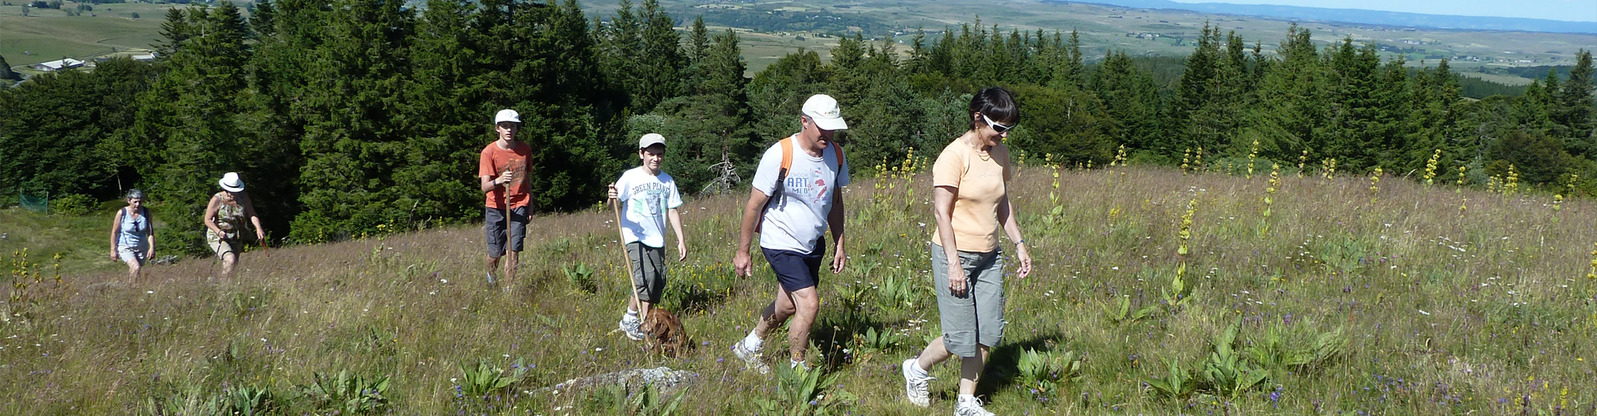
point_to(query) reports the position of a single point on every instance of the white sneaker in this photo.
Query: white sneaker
(970, 406)
(629, 325)
(751, 358)
(915, 386)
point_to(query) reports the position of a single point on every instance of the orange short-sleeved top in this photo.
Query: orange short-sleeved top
(980, 180)
(518, 160)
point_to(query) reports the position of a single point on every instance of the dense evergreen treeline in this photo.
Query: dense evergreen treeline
(344, 115)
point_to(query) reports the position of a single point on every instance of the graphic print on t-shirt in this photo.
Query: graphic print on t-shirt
(820, 185)
(648, 199)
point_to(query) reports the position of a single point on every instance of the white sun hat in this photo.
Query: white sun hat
(231, 182)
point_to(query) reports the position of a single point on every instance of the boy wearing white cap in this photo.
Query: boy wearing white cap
(797, 196)
(649, 198)
(502, 171)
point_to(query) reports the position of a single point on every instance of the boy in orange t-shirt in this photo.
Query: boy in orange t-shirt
(502, 171)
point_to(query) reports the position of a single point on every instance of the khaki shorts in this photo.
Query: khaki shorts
(131, 255)
(648, 271)
(977, 317)
(222, 246)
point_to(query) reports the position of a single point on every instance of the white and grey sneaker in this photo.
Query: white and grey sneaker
(915, 386)
(751, 358)
(629, 325)
(970, 406)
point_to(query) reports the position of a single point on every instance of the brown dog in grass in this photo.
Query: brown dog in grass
(665, 332)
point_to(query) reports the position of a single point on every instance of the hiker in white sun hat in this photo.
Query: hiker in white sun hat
(797, 196)
(503, 169)
(225, 217)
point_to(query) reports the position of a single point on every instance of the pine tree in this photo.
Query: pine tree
(174, 31)
(263, 18)
(1291, 100)
(352, 146)
(1131, 105)
(662, 58)
(708, 126)
(1353, 134)
(445, 117)
(1070, 72)
(1576, 108)
(698, 41)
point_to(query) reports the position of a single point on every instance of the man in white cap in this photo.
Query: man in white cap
(649, 198)
(502, 171)
(797, 196)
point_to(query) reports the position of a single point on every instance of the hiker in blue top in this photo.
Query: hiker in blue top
(132, 238)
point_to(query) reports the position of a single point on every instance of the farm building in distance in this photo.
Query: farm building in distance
(63, 63)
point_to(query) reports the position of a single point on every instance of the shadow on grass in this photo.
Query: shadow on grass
(1004, 361)
(835, 332)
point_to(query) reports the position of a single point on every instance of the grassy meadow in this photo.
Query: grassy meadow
(1344, 300)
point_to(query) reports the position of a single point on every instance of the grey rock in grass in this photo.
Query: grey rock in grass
(165, 260)
(664, 379)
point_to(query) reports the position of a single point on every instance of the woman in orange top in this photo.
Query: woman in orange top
(971, 204)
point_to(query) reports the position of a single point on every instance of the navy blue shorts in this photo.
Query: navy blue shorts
(795, 270)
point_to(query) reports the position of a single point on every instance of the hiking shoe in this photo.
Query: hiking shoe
(491, 282)
(970, 406)
(629, 325)
(751, 358)
(915, 386)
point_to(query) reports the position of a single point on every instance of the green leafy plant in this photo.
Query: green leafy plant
(1226, 372)
(348, 393)
(1178, 385)
(645, 401)
(1120, 311)
(249, 400)
(896, 294)
(1279, 351)
(1179, 293)
(880, 341)
(581, 277)
(485, 379)
(1045, 373)
(802, 391)
(189, 401)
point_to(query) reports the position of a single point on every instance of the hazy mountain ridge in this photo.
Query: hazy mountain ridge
(1374, 17)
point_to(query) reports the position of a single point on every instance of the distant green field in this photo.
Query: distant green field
(49, 34)
(1155, 32)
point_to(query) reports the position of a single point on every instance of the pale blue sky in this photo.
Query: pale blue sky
(1567, 10)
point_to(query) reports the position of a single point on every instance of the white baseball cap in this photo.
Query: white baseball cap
(231, 182)
(824, 111)
(650, 140)
(507, 115)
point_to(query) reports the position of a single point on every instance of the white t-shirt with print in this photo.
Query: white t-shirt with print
(797, 218)
(647, 198)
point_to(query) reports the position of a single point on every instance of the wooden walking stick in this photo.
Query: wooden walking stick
(626, 258)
